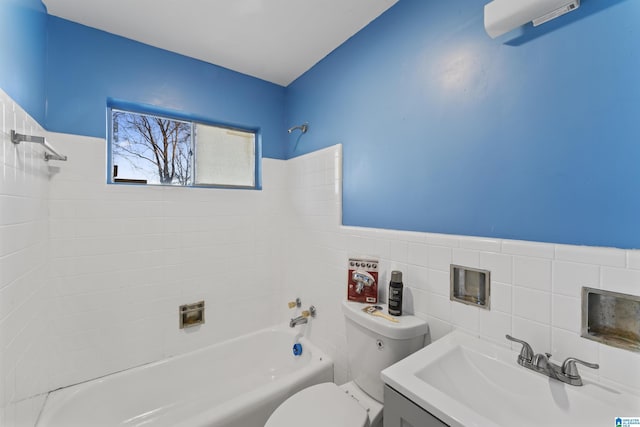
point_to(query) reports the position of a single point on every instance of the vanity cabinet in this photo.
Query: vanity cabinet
(401, 412)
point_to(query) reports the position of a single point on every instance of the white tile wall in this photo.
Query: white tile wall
(535, 286)
(123, 258)
(24, 177)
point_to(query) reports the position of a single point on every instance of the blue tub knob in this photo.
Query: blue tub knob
(297, 349)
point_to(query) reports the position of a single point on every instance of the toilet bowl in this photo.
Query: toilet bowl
(327, 404)
(373, 344)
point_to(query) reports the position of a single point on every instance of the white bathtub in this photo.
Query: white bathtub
(237, 383)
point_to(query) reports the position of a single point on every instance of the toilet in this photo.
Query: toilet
(373, 344)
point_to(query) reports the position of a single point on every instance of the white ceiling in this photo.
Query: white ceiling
(275, 40)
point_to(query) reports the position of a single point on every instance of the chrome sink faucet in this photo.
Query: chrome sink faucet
(567, 373)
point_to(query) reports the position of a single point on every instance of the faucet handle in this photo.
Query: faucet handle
(296, 303)
(526, 354)
(570, 369)
(311, 312)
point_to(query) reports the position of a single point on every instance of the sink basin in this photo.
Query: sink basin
(466, 381)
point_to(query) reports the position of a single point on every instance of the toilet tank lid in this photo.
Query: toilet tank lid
(408, 327)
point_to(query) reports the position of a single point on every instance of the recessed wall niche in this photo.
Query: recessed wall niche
(611, 318)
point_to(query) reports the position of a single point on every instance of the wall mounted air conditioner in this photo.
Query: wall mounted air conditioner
(502, 16)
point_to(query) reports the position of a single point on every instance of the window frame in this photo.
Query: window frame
(193, 120)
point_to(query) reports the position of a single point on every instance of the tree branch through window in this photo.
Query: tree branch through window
(148, 142)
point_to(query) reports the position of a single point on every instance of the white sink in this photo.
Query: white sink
(468, 382)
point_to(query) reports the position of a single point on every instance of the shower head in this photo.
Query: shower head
(304, 127)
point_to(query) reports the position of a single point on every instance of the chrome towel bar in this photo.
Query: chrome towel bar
(17, 138)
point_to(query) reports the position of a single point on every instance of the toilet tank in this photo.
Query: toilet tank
(375, 343)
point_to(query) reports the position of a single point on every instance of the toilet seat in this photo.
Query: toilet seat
(320, 405)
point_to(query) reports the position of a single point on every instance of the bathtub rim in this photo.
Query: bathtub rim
(320, 360)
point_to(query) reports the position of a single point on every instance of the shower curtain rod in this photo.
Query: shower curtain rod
(17, 138)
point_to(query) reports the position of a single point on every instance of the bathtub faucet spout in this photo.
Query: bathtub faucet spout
(304, 318)
(300, 320)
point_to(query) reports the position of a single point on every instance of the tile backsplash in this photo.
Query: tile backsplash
(92, 274)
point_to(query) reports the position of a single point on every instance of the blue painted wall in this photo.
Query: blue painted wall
(534, 137)
(23, 25)
(87, 67)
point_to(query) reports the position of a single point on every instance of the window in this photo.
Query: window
(150, 149)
